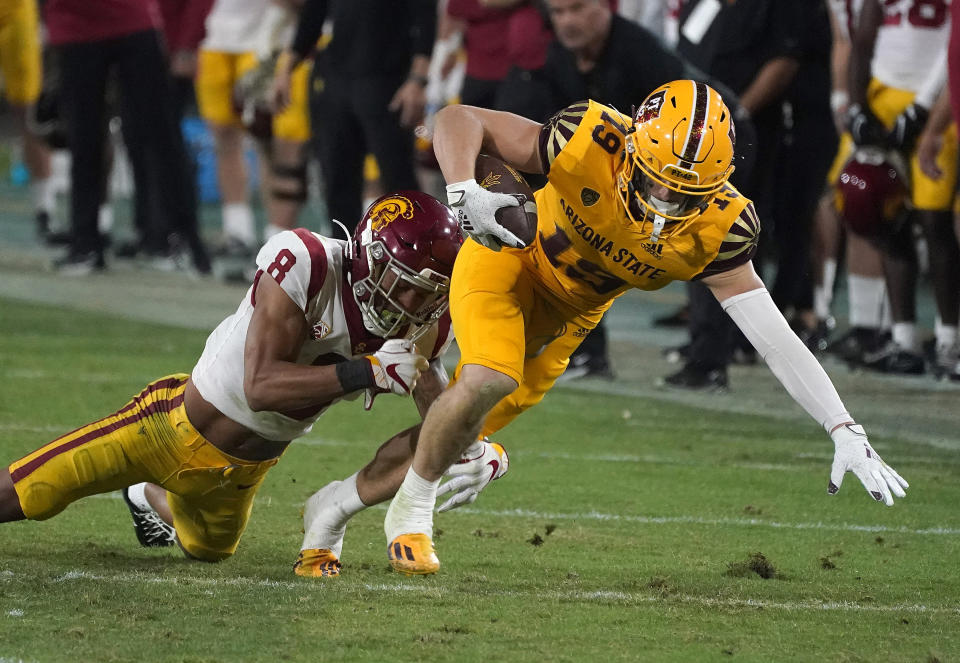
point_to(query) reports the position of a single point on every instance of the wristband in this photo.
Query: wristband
(355, 375)
(838, 100)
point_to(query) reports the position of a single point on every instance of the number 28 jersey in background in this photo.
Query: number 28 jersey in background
(588, 251)
(312, 271)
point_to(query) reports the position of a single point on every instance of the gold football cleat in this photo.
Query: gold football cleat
(317, 563)
(413, 555)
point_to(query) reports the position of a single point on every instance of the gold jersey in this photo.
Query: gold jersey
(588, 251)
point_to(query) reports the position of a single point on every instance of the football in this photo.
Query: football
(494, 175)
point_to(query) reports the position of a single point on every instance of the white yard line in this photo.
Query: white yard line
(723, 522)
(650, 459)
(575, 595)
(939, 530)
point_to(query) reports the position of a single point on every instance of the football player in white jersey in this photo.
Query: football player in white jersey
(866, 291)
(325, 320)
(897, 69)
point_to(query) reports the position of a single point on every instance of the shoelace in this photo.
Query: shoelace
(155, 527)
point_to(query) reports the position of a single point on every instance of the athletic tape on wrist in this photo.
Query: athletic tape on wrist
(355, 375)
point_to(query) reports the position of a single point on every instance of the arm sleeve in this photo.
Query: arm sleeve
(309, 27)
(786, 355)
(558, 130)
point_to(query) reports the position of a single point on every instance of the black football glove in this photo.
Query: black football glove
(864, 126)
(907, 128)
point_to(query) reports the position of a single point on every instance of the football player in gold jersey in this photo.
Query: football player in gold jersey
(629, 203)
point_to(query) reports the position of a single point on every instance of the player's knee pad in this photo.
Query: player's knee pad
(289, 182)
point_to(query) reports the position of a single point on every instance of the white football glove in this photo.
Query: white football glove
(476, 210)
(480, 464)
(396, 368)
(854, 453)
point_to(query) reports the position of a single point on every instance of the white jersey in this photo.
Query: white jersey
(310, 269)
(233, 26)
(910, 41)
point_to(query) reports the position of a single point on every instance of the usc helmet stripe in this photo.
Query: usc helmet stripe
(695, 132)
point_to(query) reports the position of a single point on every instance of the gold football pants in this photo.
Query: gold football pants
(505, 320)
(149, 439)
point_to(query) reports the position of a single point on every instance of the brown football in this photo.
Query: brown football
(494, 175)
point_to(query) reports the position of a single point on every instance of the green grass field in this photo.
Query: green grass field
(627, 529)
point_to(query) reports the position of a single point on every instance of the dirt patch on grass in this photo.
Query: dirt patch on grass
(755, 564)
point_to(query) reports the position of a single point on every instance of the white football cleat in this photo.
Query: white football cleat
(324, 526)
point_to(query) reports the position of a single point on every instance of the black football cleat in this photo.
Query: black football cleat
(694, 378)
(152, 531)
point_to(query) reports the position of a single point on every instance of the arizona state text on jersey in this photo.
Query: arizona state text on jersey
(588, 251)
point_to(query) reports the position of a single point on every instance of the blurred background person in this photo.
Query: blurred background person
(236, 65)
(96, 39)
(21, 65)
(368, 91)
(897, 69)
(753, 47)
(651, 14)
(868, 310)
(805, 151)
(485, 25)
(529, 34)
(183, 29)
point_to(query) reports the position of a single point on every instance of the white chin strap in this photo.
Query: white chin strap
(659, 221)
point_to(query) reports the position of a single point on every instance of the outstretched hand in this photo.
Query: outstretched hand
(853, 453)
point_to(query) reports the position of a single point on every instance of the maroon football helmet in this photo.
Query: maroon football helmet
(406, 239)
(871, 191)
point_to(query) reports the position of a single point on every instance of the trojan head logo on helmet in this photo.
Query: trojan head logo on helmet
(406, 240)
(678, 155)
(872, 190)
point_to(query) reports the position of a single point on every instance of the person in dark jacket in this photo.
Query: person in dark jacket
(369, 84)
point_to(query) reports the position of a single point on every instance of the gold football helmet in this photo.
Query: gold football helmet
(678, 155)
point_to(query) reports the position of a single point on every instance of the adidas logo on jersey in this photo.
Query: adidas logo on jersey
(654, 249)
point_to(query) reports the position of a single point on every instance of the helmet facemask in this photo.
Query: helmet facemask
(387, 277)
